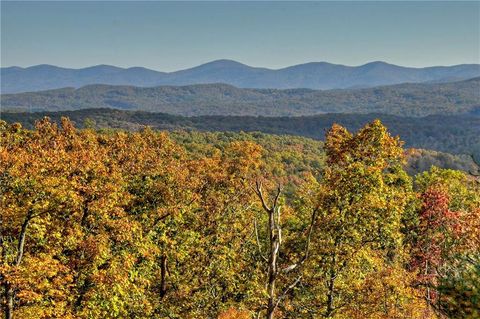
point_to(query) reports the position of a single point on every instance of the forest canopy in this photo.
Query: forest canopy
(455, 134)
(147, 224)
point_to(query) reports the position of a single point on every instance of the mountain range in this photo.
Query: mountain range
(419, 99)
(315, 75)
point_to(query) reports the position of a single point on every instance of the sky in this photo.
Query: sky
(169, 36)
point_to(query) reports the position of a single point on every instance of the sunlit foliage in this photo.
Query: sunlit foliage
(117, 224)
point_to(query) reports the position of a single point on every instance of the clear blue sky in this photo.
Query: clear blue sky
(174, 35)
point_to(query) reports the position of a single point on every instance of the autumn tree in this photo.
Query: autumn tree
(447, 238)
(363, 193)
(438, 227)
(215, 269)
(35, 198)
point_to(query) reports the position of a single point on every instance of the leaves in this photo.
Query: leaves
(115, 224)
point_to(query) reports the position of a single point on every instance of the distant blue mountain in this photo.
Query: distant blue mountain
(315, 75)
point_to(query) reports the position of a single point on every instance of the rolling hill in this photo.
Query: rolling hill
(315, 75)
(220, 99)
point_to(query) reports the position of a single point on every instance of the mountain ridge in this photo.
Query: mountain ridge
(230, 61)
(461, 97)
(313, 75)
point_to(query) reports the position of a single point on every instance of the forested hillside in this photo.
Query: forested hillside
(451, 134)
(220, 99)
(117, 224)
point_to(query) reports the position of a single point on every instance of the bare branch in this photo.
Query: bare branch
(279, 228)
(258, 241)
(307, 245)
(287, 290)
(277, 196)
(261, 197)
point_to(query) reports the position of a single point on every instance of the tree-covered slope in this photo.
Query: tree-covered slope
(453, 134)
(221, 99)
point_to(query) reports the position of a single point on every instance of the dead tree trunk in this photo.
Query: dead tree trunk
(275, 235)
(274, 243)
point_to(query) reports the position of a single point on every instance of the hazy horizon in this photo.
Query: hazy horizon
(170, 36)
(253, 66)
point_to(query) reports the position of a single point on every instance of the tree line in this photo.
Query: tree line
(455, 134)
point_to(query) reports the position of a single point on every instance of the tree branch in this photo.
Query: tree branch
(21, 238)
(258, 241)
(307, 245)
(259, 193)
(287, 290)
(277, 196)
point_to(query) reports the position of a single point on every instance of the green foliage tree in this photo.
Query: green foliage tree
(363, 193)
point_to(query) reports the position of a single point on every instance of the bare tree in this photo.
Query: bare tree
(274, 243)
